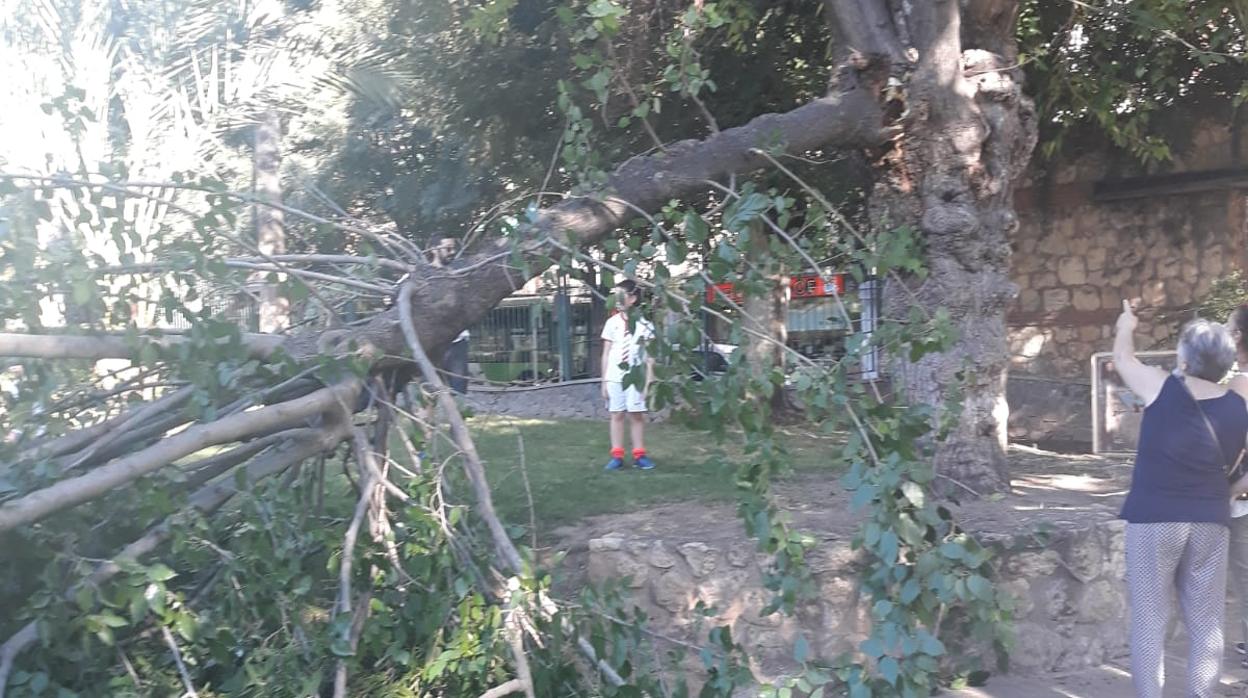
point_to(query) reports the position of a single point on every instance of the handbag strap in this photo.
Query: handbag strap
(1212, 432)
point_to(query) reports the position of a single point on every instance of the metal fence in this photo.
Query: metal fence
(532, 339)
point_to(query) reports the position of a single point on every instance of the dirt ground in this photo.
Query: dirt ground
(1059, 490)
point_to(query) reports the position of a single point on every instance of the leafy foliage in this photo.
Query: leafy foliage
(1128, 69)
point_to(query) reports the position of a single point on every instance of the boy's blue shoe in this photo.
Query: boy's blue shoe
(616, 464)
(643, 463)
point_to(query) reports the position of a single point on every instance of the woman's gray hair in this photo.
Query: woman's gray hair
(1206, 350)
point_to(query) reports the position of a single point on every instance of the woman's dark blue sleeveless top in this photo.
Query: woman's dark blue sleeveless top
(1180, 473)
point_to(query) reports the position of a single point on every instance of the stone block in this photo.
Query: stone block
(1029, 301)
(1095, 259)
(1118, 276)
(1087, 298)
(1072, 271)
(661, 557)
(1043, 281)
(1032, 564)
(1111, 297)
(607, 543)
(1213, 263)
(702, 558)
(722, 590)
(673, 590)
(1089, 333)
(1019, 593)
(1169, 267)
(753, 602)
(1053, 597)
(1179, 291)
(1153, 294)
(1101, 601)
(1056, 299)
(607, 566)
(740, 555)
(1084, 556)
(1036, 647)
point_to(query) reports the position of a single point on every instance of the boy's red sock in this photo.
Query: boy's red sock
(617, 452)
(638, 453)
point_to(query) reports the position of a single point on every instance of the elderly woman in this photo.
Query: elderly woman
(1178, 508)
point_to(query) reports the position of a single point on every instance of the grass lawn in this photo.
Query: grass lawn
(564, 462)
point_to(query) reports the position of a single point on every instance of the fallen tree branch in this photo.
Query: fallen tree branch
(515, 638)
(209, 468)
(74, 491)
(177, 658)
(172, 401)
(370, 492)
(611, 675)
(353, 642)
(504, 689)
(96, 347)
(505, 549)
(206, 500)
(74, 440)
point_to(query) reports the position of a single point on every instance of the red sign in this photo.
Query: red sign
(812, 286)
(723, 290)
(801, 286)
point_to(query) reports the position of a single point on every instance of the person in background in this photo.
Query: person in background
(1178, 507)
(1238, 324)
(623, 349)
(455, 364)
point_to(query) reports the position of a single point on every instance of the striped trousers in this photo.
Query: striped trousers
(1188, 558)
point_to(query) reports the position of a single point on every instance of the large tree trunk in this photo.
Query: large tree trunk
(767, 313)
(274, 310)
(967, 133)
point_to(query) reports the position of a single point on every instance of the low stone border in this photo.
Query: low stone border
(1067, 585)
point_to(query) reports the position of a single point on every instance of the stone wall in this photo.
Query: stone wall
(1078, 254)
(1068, 591)
(1075, 267)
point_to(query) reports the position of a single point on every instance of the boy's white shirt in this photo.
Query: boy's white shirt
(616, 331)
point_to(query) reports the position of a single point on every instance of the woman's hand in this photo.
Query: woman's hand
(605, 395)
(1127, 321)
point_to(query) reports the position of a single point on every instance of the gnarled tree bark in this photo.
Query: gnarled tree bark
(966, 133)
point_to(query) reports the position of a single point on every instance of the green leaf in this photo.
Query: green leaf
(980, 587)
(910, 591)
(913, 492)
(160, 573)
(110, 620)
(801, 652)
(928, 644)
(890, 670)
(745, 210)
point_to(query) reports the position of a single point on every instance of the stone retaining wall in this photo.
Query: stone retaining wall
(1076, 256)
(1069, 594)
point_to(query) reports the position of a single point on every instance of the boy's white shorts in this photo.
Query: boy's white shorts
(621, 399)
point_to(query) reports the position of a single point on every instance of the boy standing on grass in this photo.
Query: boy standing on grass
(623, 348)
